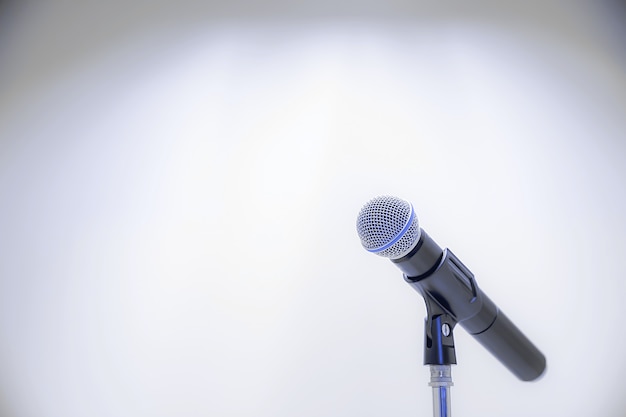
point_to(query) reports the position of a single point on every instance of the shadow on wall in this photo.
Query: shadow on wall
(40, 41)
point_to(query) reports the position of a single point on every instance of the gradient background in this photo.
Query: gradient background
(179, 184)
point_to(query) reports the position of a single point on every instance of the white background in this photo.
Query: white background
(179, 186)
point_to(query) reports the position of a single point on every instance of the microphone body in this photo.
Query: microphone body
(439, 275)
(388, 227)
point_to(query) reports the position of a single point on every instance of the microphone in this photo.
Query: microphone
(388, 226)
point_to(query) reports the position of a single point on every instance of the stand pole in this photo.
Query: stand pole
(441, 381)
(440, 354)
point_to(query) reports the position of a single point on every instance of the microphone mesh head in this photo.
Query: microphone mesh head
(388, 227)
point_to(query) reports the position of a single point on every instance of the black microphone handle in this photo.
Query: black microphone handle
(509, 345)
(441, 277)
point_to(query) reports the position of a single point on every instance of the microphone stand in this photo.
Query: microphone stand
(439, 353)
(441, 381)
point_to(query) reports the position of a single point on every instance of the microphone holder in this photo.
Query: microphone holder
(439, 353)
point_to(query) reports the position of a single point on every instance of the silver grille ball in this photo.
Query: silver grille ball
(388, 227)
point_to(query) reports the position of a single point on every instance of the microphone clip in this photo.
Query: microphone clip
(438, 335)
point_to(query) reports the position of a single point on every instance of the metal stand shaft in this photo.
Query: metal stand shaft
(440, 354)
(441, 381)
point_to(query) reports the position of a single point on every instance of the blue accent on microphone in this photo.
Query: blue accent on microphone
(398, 236)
